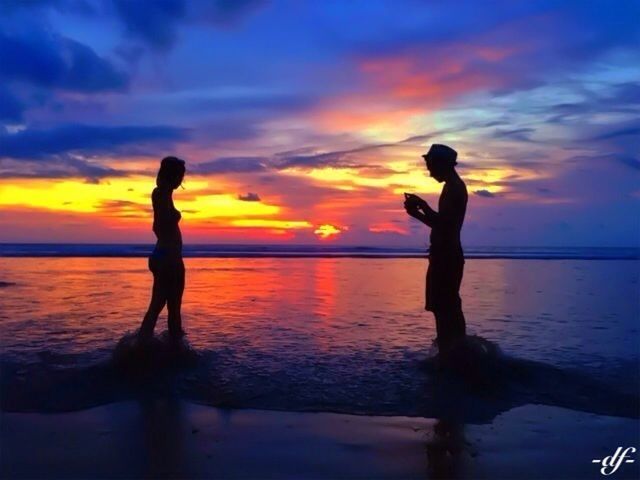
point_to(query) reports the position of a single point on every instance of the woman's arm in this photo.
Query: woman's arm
(162, 209)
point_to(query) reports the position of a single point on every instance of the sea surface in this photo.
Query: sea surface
(309, 251)
(327, 332)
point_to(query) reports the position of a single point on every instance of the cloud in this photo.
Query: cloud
(486, 82)
(498, 52)
(225, 165)
(629, 161)
(519, 134)
(336, 158)
(224, 12)
(312, 161)
(616, 98)
(34, 143)
(154, 22)
(621, 132)
(58, 168)
(49, 60)
(256, 101)
(484, 193)
(124, 209)
(11, 108)
(627, 93)
(249, 197)
(91, 171)
(81, 7)
(580, 181)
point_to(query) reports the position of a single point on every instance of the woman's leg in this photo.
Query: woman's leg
(158, 300)
(174, 301)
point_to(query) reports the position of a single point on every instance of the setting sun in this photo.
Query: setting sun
(327, 231)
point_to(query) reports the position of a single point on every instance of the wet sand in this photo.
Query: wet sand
(164, 438)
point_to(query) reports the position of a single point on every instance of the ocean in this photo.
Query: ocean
(322, 329)
(327, 250)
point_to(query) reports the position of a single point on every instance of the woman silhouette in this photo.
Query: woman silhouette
(166, 260)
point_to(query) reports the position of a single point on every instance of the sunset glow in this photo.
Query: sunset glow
(327, 231)
(301, 138)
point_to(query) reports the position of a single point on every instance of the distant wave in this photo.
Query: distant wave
(312, 251)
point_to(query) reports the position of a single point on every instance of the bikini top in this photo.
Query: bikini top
(165, 220)
(176, 214)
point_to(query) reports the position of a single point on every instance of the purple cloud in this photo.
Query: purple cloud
(36, 144)
(52, 61)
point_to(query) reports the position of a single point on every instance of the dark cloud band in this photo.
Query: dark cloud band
(88, 139)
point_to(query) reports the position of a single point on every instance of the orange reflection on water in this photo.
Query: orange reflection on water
(298, 307)
(327, 303)
(324, 278)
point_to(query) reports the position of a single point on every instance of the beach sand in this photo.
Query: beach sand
(165, 438)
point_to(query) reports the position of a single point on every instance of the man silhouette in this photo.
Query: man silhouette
(446, 258)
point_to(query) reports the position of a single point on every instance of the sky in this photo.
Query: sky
(304, 122)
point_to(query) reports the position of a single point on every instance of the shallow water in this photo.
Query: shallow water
(341, 334)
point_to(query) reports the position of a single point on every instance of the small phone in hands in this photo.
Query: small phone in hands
(409, 199)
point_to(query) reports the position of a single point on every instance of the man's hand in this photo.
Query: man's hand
(414, 201)
(416, 207)
(412, 209)
(413, 212)
(416, 213)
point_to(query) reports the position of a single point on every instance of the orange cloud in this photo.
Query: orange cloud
(388, 227)
(413, 83)
(327, 231)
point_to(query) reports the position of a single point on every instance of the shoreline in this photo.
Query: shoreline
(174, 438)
(319, 255)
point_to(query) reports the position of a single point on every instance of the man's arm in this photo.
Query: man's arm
(416, 213)
(427, 215)
(416, 207)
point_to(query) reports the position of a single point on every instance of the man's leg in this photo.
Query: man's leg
(444, 324)
(439, 328)
(443, 299)
(459, 326)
